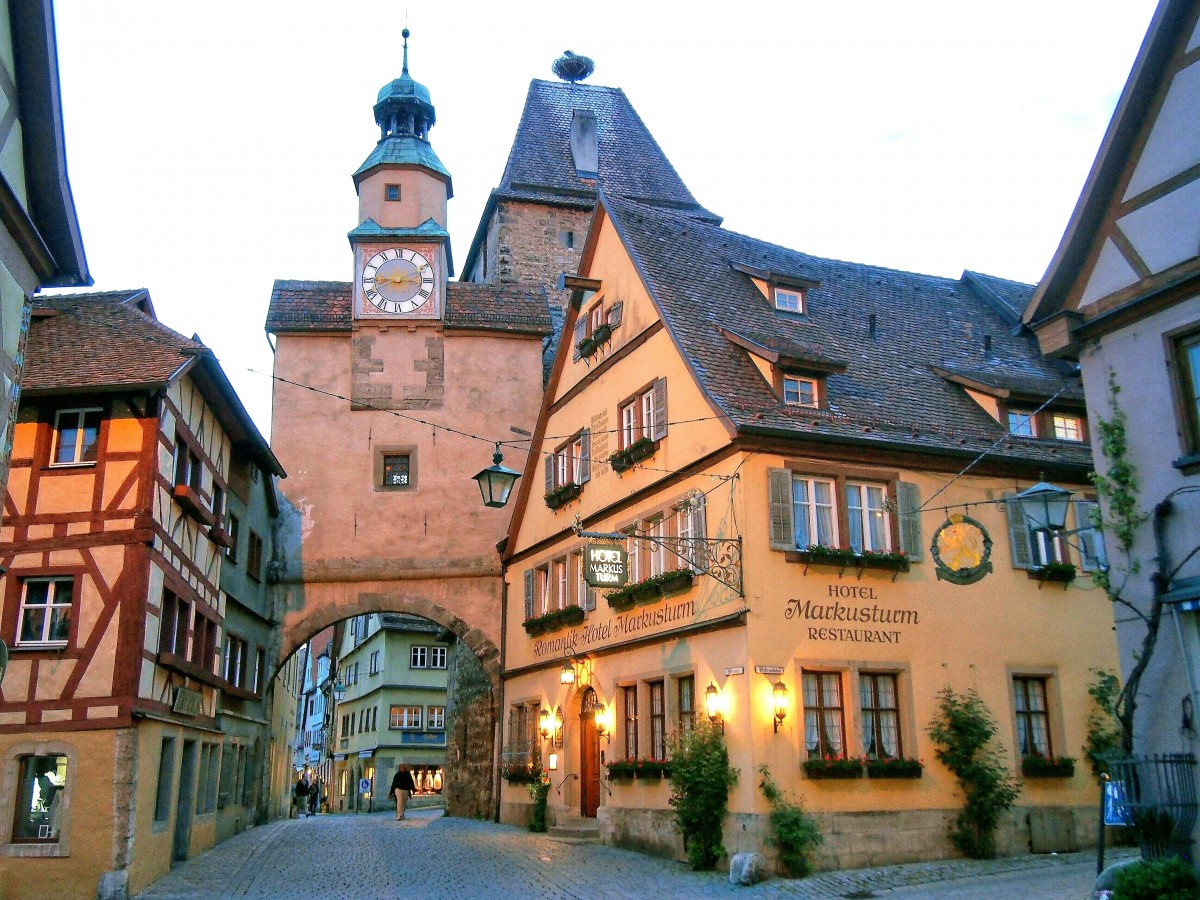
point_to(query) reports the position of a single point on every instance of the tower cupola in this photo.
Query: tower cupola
(403, 107)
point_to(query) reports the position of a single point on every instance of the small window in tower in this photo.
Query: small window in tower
(392, 192)
(566, 239)
(396, 468)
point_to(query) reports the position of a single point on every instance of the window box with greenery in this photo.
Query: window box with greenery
(554, 620)
(1037, 766)
(652, 589)
(1060, 572)
(563, 495)
(594, 341)
(894, 767)
(620, 769)
(520, 773)
(889, 561)
(833, 767)
(651, 768)
(820, 555)
(641, 449)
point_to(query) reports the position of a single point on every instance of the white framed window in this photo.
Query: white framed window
(560, 583)
(544, 589)
(1067, 427)
(644, 415)
(76, 436)
(824, 715)
(880, 707)
(437, 657)
(788, 299)
(656, 553)
(44, 619)
(800, 391)
(418, 658)
(814, 514)
(1021, 423)
(41, 793)
(373, 669)
(437, 718)
(869, 521)
(691, 529)
(405, 717)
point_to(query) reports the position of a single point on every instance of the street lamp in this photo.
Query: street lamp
(781, 703)
(1045, 506)
(712, 703)
(544, 723)
(496, 481)
(339, 690)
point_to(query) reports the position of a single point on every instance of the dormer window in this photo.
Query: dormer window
(788, 299)
(1021, 423)
(801, 391)
(1067, 427)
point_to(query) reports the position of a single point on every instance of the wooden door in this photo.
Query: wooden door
(589, 756)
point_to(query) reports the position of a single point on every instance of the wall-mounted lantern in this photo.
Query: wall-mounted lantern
(567, 675)
(780, 694)
(604, 720)
(339, 691)
(558, 727)
(712, 704)
(544, 723)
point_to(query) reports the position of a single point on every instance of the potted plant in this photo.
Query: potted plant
(570, 615)
(819, 767)
(563, 495)
(1035, 765)
(594, 341)
(1060, 572)
(620, 769)
(651, 768)
(622, 598)
(518, 772)
(894, 767)
(642, 448)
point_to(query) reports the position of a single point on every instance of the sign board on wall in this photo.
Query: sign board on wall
(605, 565)
(187, 702)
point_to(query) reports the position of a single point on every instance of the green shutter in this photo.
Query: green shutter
(1018, 534)
(779, 494)
(908, 512)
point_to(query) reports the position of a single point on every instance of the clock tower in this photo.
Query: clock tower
(401, 246)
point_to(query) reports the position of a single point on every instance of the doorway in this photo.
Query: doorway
(589, 756)
(183, 804)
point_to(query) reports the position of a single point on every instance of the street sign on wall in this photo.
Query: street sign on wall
(605, 565)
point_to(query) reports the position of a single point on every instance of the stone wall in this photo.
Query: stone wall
(470, 733)
(529, 245)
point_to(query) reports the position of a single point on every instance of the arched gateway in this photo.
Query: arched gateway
(391, 392)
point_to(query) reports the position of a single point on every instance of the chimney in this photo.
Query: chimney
(583, 144)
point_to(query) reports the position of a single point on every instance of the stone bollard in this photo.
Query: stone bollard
(747, 868)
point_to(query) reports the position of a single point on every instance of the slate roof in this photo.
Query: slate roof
(324, 306)
(104, 341)
(541, 169)
(111, 341)
(407, 622)
(889, 394)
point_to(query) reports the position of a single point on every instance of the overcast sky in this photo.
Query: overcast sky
(211, 145)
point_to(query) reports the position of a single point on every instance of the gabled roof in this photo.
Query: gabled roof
(541, 168)
(325, 306)
(1138, 102)
(888, 395)
(110, 342)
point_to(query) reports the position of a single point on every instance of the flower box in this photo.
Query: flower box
(651, 589)
(889, 562)
(655, 769)
(817, 555)
(833, 767)
(561, 496)
(553, 620)
(1060, 572)
(642, 448)
(594, 341)
(620, 769)
(1037, 766)
(520, 773)
(894, 768)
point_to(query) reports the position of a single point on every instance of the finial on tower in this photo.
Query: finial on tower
(573, 67)
(404, 34)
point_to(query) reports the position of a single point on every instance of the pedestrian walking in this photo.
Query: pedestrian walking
(314, 795)
(300, 795)
(402, 788)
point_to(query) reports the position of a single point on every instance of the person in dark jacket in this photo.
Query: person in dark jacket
(402, 788)
(300, 795)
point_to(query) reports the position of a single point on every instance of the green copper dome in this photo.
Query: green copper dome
(403, 107)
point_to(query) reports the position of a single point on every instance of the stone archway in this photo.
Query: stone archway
(472, 713)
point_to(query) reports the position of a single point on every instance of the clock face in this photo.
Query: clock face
(397, 281)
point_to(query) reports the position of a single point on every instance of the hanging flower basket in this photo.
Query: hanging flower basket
(561, 496)
(894, 768)
(1038, 766)
(833, 767)
(1060, 572)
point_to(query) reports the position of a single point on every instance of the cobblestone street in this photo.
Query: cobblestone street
(428, 856)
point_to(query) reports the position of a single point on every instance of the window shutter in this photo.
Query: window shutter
(908, 504)
(1018, 534)
(580, 334)
(528, 594)
(660, 409)
(549, 461)
(1090, 537)
(700, 531)
(585, 461)
(589, 597)
(614, 314)
(779, 491)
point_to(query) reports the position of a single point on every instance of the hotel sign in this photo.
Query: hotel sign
(605, 566)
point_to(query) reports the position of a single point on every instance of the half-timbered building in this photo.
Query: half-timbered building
(113, 541)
